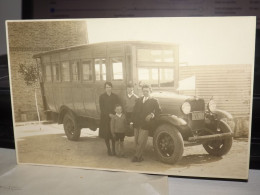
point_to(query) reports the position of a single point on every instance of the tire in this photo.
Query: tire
(220, 147)
(71, 128)
(168, 144)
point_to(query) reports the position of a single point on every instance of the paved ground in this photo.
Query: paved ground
(47, 144)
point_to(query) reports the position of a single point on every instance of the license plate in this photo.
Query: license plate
(197, 116)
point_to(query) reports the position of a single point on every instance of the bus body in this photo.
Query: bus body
(73, 78)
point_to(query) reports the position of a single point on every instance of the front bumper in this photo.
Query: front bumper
(210, 137)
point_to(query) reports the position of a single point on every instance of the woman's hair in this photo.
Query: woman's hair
(108, 83)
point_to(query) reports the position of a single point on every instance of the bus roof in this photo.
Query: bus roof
(104, 43)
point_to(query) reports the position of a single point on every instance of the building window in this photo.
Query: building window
(65, 71)
(117, 67)
(48, 72)
(56, 72)
(86, 70)
(75, 70)
(100, 69)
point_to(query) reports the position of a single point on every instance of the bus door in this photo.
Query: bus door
(56, 85)
(48, 82)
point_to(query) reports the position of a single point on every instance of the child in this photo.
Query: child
(129, 104)
(118, 128)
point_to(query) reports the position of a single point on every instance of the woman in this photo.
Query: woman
(107, 102)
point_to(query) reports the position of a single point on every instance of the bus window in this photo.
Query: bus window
(143, 74)
(65, 71)
(86, 70)
(166, 77)
(56, 71)
(156, 77)
(155, 55)
(75, 70)
(100, 69)
(117, 67)
(48, 72)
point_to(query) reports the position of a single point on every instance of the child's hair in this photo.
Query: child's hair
(118, 105)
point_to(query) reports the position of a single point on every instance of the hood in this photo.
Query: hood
(171, 102)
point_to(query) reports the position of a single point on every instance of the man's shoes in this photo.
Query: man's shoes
(109, 153)
(135, 159)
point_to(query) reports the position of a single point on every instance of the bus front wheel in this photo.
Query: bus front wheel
(71, 128)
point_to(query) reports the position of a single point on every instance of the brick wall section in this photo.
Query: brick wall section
(29, 38)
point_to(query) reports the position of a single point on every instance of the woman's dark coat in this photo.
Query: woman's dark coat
(107, 106)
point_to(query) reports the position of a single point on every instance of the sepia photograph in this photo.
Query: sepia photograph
(167, 96)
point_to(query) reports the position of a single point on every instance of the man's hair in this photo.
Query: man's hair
(108, 83)
(146, 86)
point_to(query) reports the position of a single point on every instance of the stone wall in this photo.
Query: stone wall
(28, 38)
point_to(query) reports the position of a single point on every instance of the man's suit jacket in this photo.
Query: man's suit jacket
(142, 110)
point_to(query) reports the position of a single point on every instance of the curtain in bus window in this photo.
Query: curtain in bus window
(86, 69)
(56, 71)
(48, 72)
(65, 71)
(75, 72)
(117, 66)
(166, 77)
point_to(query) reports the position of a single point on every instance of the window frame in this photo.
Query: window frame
(45, 72)
(159, 75)
(71, 70)
(112, 68)
(100, 69)
(53, 64)
(162, 55)
(91, 70)
(61, 68)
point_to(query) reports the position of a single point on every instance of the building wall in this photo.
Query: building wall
(228, 85)
(25, 40)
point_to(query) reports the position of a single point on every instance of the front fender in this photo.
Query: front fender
(223, 114)
(226, 117)
(174, 120)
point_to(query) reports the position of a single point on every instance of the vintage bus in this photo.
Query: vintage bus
(73, 79)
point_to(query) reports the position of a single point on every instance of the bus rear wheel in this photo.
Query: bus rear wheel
(71, 128)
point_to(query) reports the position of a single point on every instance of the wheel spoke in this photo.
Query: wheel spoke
(166, 145)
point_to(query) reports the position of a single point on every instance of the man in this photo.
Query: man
(107, 102)
(145, 112)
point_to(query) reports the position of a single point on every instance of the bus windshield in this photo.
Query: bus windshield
(156, 67)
